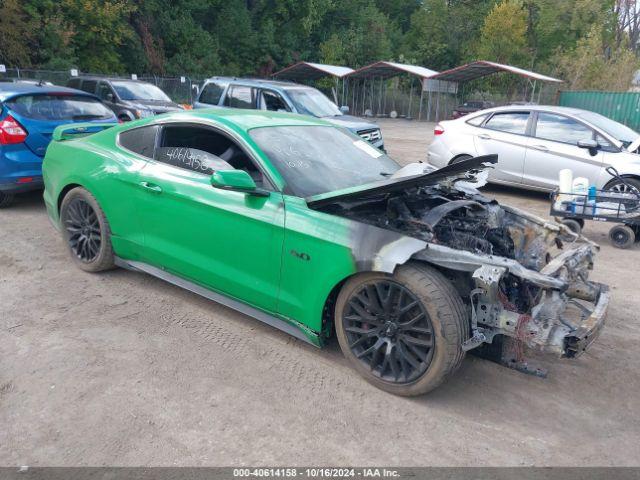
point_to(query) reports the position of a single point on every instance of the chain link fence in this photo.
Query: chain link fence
(181, 89)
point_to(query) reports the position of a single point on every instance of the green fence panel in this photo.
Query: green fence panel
(623, 107)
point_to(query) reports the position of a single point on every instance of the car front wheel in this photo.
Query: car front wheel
(630, 185)
(402, 332)
(86, 231)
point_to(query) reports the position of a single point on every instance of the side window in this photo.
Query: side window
(511, 122)
(104, 90)
(140, 140)
(89, 86)
(74, 83)
(273, 102)
(240, 97)
(203, 150)
(477, 121)
(561, 129)
(211, 93)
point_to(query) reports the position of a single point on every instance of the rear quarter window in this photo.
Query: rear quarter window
(477, 121)
(140, 140)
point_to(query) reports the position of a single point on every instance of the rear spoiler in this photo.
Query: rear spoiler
(77, 130)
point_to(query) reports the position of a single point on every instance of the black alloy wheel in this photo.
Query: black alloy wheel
(389, 331)
(83, 230)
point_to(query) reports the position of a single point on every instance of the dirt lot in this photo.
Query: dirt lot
(123, 369)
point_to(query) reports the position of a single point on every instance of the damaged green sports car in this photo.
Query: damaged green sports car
(306, 227)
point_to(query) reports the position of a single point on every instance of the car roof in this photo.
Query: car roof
(256, 82)
(9, 90)
(248, 119)
(109, 79)
(537, 108)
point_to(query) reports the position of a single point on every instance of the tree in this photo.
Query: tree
(503, 37)
(16, 34)
(426, 41)
(595, 65)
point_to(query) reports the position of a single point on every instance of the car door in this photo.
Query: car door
(553, 146)
(229, 241)
(505, 134)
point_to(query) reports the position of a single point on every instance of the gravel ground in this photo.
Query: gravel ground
(123, 369)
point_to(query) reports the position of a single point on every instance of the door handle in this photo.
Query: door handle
(541, 148)
(152, 187)
(484, 136)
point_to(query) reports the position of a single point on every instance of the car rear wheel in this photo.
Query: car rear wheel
(402, 332)
(6, 199)
(86, 231)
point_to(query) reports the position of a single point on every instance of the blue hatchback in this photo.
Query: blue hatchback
(28, 115)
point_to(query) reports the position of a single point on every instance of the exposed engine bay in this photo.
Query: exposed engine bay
(520, 276)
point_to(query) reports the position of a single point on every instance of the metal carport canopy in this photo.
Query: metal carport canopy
(312, 71)
(474, 70)
(386, 70)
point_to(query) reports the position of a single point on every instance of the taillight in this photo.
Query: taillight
(438, 130)
(11, 131)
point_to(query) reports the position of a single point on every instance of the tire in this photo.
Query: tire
(6, 200)
(617, 186)
(622, 236)
(86, 231)
(378, 347)
(573, 225)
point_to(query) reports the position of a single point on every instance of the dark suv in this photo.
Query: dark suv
(129, 99)
(283, 97)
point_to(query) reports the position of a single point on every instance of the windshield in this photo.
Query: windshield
(310, 101)
(616, 130)
(318, 159)
(59, 107)
(139, 91)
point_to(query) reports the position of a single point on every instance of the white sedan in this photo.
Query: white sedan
(534, 143)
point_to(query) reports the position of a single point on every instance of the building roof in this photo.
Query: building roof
(312, 71)
(474, 70)
(386, 70)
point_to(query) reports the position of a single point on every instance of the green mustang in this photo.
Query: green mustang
(306, 227)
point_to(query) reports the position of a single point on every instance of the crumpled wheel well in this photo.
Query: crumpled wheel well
(64, 192)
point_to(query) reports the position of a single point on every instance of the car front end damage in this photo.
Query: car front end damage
(524, 280)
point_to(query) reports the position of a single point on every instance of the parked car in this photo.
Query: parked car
(129, 99)
(305, 226)
(470, 107)
(279, 96)
(24, 80)
(28, 115)
(534, 143)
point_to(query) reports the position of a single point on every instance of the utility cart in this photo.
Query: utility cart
(621, 207)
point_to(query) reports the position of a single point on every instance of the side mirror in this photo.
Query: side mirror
(590, 144)
(236, 180)
(109, 97)
(344, 109)
(196, 89)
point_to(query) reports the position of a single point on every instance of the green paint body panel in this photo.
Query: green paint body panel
(271, 252)
(623, 107)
